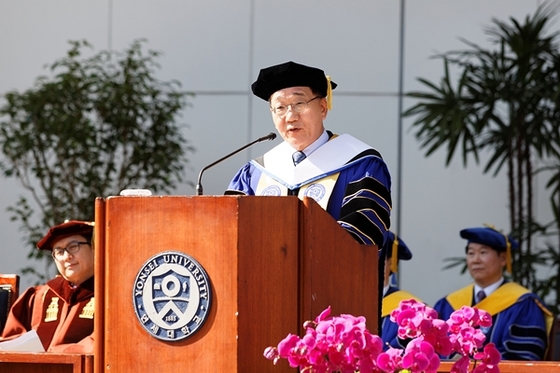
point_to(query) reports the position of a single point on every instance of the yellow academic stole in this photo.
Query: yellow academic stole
(392, 301)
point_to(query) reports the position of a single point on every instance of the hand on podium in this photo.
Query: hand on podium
(85, 346)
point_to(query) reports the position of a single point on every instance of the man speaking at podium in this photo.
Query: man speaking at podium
(62, 310)
(347, 177)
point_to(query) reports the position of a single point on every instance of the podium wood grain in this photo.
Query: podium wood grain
(28, 362)
(273, 262)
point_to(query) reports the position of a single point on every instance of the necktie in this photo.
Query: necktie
(480, 296)
(298, 157)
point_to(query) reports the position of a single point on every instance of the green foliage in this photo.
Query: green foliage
(98, 125)
(505, 103)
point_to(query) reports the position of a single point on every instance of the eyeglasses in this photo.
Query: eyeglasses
(297, 107)
(72, 248)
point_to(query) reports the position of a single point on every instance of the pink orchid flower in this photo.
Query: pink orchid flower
(344, 344)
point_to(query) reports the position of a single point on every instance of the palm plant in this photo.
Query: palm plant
(505, 102)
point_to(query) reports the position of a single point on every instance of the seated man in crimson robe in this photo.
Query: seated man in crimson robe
(62, 310)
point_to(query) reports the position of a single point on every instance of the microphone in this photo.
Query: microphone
(271, 136)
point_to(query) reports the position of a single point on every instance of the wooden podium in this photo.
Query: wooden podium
(273, 263)
(40, 362)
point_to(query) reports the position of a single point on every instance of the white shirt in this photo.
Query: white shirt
(489, 289)
(322, 140)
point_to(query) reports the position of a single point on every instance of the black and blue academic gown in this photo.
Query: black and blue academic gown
(520, 320)
(345, 176)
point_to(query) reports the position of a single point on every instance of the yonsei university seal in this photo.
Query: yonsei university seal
(172, 296)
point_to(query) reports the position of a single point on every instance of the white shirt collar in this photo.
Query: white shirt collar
(328, 158)
(322, 140)
(489, 289)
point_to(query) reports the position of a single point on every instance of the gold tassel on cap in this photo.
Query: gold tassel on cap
(508, 248)
(329, 93)
(508, 256)
(395, 255)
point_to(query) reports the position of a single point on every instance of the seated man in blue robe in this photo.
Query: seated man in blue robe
(395, 249)
(520, 320)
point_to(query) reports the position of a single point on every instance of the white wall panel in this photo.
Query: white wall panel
(215, 48)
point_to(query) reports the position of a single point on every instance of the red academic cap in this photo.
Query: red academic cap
(68, 228)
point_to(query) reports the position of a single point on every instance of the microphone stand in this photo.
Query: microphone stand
(271, 136)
